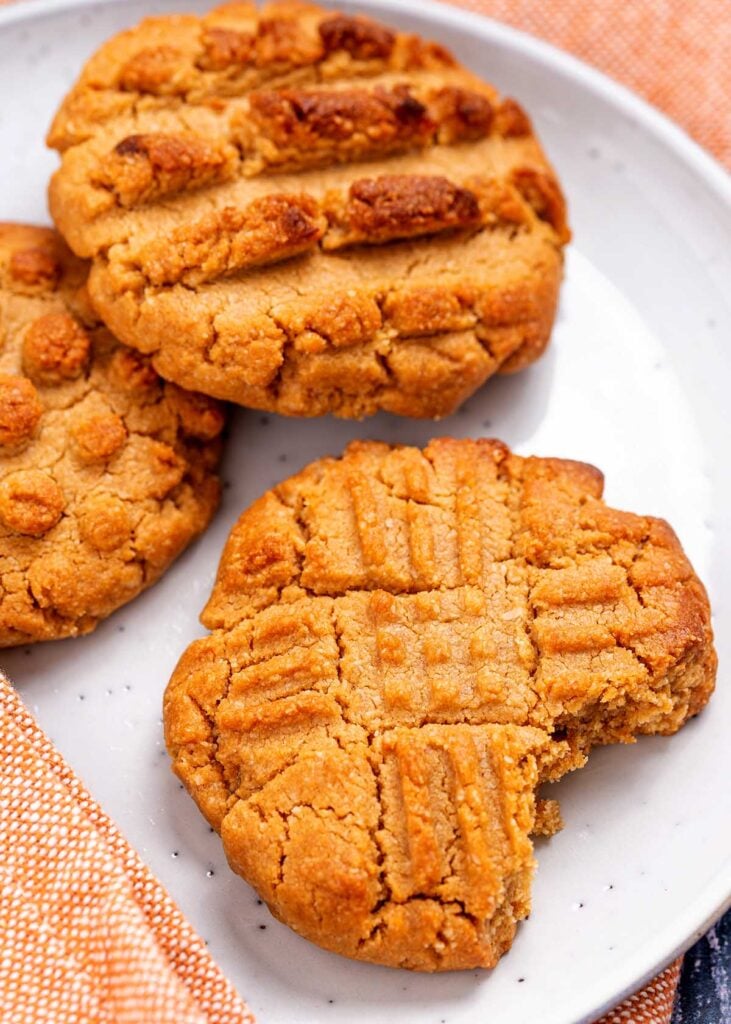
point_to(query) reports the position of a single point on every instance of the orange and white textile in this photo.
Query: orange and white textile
(673, 53)
(86, 932)
(652, 1004)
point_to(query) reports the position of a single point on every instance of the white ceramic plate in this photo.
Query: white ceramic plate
(636, 381)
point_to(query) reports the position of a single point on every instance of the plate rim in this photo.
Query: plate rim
(715, 898)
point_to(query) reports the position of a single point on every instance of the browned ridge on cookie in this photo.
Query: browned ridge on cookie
(403, 644)
(106, 473)
(308, 212)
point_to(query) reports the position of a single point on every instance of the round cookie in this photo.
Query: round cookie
(308, 212)
(403, 644)
(106, 472)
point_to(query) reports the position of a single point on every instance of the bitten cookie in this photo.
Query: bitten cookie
(106, 473)
(308, 212)
(404, 643)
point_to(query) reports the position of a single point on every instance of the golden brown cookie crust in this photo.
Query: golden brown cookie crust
(307, 212)
(106, 472)
(404, 643)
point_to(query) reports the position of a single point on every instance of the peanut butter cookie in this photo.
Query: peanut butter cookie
(404, 644)
(106, 473)
(308, 212)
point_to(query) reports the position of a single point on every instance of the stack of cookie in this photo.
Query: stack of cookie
(309, 213)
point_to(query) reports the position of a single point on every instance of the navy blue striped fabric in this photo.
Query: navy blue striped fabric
(704, 993)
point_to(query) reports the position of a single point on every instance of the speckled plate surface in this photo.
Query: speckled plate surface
(636, 381)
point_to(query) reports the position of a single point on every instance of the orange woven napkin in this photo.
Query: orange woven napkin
(87, 934)
(672, 52)
(652, 1004)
